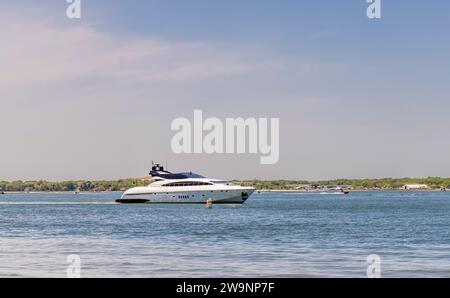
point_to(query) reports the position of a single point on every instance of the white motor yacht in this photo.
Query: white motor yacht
(186, 188)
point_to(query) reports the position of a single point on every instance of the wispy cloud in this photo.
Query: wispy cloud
(41, 53)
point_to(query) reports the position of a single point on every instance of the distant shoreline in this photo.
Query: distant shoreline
(354, 190)
(59, 192)
(121, 185)
(258, 191)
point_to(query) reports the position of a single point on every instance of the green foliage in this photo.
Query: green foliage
(386, 183)
(123, 184)
(45, 186)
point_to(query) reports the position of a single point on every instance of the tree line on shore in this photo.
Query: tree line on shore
(80, 185)
(385, 183)
(123, 184)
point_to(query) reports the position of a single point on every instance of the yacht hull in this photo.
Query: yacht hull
(238, 196)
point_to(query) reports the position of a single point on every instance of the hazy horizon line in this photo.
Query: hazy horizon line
(281, 179)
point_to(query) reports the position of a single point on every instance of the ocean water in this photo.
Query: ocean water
(272, 235)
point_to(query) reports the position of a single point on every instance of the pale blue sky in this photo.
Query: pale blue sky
(95, 98)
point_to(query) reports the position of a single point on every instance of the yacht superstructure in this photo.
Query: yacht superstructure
(186, 188)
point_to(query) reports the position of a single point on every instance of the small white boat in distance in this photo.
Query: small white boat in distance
(185, 188)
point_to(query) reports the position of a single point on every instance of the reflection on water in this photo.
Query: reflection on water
(272, 235)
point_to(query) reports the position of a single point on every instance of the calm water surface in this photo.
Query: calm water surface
(273, 235)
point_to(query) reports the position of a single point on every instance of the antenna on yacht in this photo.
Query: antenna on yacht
(152, 168)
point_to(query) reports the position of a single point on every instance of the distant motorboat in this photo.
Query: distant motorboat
(334, 192)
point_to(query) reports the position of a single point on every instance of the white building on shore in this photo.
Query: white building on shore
(415, 186)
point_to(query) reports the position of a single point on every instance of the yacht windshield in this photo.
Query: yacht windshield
(177, 176)
(192, 175)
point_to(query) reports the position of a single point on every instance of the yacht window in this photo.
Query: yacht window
(192, 183)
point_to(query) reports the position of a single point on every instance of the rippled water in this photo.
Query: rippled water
(272, 235)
